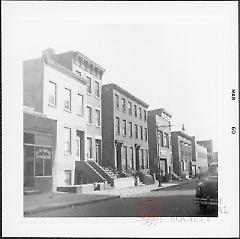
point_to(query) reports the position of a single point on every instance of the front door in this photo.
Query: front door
(119, 158)
(137, 158)
(78, 147)
(98, 151)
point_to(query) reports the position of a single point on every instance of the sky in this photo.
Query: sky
(171, 56)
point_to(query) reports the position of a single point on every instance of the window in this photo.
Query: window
(98, 118)
(142, 158)
(166, 141)
(67, 140)
(89, 115)
(131, 157)
(68, 177)
(125, 156)
(140, 112)
(145, 133)
(161, 138)
(129, 107)
(67, 99)
(123, 104)
(136, 131)
(116, 100)
(146, 157)
(145, 115)
(117, 125)
(52, 93)
(89, 85)
(130, 129)
(135, 110)
(89, 147)
(141, 132)
(124, 127)
(97, 89)
(80, 106)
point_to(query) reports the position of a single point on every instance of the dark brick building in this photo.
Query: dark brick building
(125, 136)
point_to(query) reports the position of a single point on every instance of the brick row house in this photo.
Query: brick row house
(125, 135)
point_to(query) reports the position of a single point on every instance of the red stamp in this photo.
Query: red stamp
(148, 210)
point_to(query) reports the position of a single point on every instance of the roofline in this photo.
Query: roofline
(161, 109)
(182, 134)
(87, 58)
(117, 87)
(64, 69)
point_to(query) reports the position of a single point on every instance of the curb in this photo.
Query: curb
(183, 183)
(72, 204)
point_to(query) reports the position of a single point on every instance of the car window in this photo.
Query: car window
(213, 170)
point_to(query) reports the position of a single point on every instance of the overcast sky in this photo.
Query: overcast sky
(171, 55)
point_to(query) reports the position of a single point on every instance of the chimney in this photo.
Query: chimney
(48, 52)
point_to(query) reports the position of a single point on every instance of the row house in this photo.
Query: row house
(61, 87)
(209, 145)
(125, 134)
(182, 153)
(159, 142)
(199, 158)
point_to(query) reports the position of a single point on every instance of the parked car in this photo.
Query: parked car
(207, 190)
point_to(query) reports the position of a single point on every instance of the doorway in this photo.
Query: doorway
(80, 145)
(98, 151)
(119, 157)
(137, 158)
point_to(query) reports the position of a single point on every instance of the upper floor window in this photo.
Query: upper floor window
(136, 131)
(52, 93)
(145, 115)
(130, 129)
(98, 118)
(129, 107)
(124, 127)
(97, 89)
(89, 115)
(67, 140)
(123, 104)
(67, 99)
(80, 106)
(117, 100)
(166, 140)
(117, 125)
(161, 139)
(89, 84)
(141, 132)
(145, 134)
(140, 112)
(135, 110)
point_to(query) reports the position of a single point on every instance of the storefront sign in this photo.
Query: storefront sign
(43, 153)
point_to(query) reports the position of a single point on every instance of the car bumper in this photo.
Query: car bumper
(206, 201)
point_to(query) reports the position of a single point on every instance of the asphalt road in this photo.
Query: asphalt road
(174, 201)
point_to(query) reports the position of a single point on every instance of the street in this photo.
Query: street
(176, 201)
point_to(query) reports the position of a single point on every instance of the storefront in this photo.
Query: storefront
(38, 152)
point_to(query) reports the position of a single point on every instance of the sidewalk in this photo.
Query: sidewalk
(50, 201)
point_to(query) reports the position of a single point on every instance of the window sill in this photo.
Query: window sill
(97, 97)
(89, 124)
(79, 114)
(53, 106)
(88, 93)
(98, 126)
(49, 176)
(117, 108)
(67, 110)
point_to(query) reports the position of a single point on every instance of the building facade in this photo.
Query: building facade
(182, 153)
(215, 157)
(159, 143)
(59, 91)
(39, 148)
(92, 73)
(125, 135)
(209, 145)
(199, 158)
